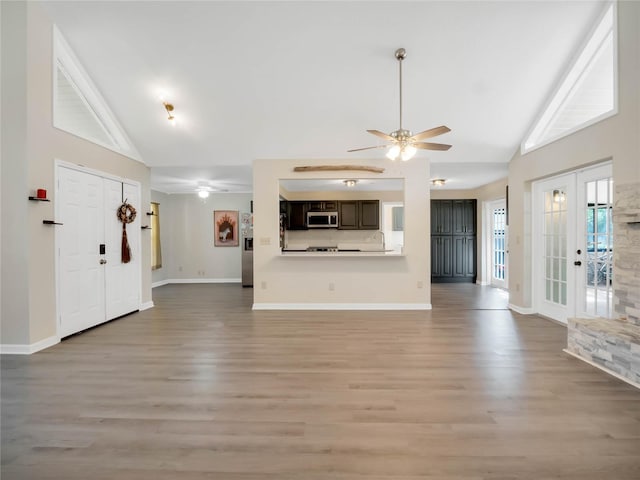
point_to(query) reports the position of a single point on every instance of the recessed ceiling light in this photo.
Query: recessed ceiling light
(438, 182)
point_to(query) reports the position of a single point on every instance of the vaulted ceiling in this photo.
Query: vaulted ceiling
(297, 79)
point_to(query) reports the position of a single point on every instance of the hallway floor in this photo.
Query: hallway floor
(202, 387)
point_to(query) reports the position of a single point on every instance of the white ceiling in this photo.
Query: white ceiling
(294, 79)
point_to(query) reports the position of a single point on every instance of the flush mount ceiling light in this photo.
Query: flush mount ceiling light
(403, 143)
(438, 182)
(203, 190)
(350, 182)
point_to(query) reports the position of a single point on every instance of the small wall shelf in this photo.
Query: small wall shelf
(36, 199)
(51, 222)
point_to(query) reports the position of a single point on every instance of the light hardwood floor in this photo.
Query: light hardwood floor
(201, 387)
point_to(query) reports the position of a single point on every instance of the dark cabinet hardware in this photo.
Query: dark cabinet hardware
(50, 222)
(150, 213)
(577, 263)
(145, 227)
(102, 249)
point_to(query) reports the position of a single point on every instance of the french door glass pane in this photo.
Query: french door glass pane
(555, 252)
(598, 230)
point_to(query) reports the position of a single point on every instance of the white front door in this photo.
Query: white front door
(94, 287)
(122, 279)
(573, 244)
(81, 278)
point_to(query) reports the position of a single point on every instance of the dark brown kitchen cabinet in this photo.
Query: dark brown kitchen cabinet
(348, 215)
(359, 215)
(369, 214)
(297, 215)
(323, 206)
(453, 240)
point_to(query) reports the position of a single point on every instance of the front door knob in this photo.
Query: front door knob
(102, 261)
(577, 263)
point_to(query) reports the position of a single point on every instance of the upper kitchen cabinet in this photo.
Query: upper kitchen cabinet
(348, 215)
(323, 206)
(297, 215)
(369, 214)
(359, 215)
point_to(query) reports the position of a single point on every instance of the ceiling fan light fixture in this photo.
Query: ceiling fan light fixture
(203, 193)
(350, 182)
(408, 152)
(393, 152)
(438, 182)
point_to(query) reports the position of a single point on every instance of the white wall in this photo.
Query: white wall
(188, 252)
(30, 147)
(616, 138)
(281, 281)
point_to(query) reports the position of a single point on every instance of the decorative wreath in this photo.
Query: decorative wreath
(126, 213)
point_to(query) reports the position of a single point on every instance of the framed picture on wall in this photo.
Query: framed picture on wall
(225, 228)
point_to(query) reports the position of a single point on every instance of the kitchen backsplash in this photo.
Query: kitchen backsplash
(329, 237)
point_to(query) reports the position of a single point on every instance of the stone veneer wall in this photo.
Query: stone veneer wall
(626, 270)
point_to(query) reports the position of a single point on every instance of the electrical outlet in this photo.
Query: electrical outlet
(263, 285)
(420, 284)
(180, 268)
(517, 287)
(265, 240)
(332, 286)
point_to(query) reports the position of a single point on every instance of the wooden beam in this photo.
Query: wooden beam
(336, 168)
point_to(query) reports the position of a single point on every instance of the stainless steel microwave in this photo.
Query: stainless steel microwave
(322, 219)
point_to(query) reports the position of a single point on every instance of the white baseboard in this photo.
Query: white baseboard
(603, 368)
(146, 306)
(521, 310)
(159, 284)
(482, 284)
(341, 306)
(17, 349)
(204, 280)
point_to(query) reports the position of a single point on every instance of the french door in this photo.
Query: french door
(573, 244)
(93, 284)
(498, 215)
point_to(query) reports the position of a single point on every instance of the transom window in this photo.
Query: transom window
(588, 92)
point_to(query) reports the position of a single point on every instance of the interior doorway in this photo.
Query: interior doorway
(498, 243)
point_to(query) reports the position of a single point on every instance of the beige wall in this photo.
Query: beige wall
(615, 138)
(15, 208)
(188, 252)
(44, 144)
(285, 280)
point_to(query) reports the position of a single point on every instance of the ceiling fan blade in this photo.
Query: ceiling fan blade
(381, 135)
(432, 132)
(367, 148)
(431, 146)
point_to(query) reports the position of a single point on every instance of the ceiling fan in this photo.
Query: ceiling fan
(403, 143)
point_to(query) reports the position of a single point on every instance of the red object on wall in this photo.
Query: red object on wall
(41, 193)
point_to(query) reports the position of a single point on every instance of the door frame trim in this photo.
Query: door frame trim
(57, 164)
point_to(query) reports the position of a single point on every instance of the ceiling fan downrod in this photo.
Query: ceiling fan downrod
(401, 54)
